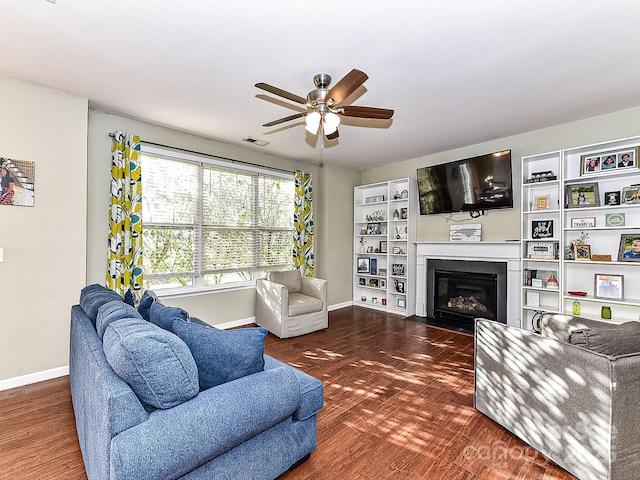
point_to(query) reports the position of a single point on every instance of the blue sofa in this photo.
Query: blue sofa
(256, 426)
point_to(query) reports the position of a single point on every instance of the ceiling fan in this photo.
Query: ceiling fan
(323, 104)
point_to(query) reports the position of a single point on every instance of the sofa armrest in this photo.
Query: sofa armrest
(173, 442)
(559, 326)
(316, 288)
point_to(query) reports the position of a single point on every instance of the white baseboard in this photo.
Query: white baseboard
(33, 378)
(340, 305)
(235, 323)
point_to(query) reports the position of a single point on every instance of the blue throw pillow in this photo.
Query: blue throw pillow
(92, 297)
(163, 316)
(148, 298)
(223, 355)
(112, 311)
(156, 364)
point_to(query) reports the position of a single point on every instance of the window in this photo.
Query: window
(208, 223)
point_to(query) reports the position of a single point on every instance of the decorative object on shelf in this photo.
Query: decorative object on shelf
(577, 294)
(465, 233)
(582, 252)
(398, 269)
(545, 250)
(541, 177)
(542, 229)
(605, 312)
(373, 282)
(396, 214)
(542, 202)
(377, 216)
(404, 194)
(362, 281)
(396, 195)
(363, 298)
(631, 195)
(580, 195)
(383, 246)
(600, 162)
(383, 283)
(374, 300)
(549, 278)
(375, 199)
(399, 287)
(363, 264)
(362, 242)
(401, 302)
(629, 249)
(373, 266)
(363, 231)
(403, 213)
(569, 250)
(575, 307)
(529, 275)
(382, 272)
(583, 222)
(614, 219)
(612, 198)
(600, 258)
(533, 299)
(610, 287)
(384, 301)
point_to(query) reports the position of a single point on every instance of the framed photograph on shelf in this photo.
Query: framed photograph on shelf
(583, 222)
(612, 198)
(383, 246)
(629, 250)
(401, 302)
(603, 162)
(582, 252)
(383, 283)
(398, 269)
(400, 287)
(362, 281)
(614, 219)
(363, 265)
(631, 195)
(542, 250)
(610, 287)
(582, 195)
(541, 202)
(541, 229)
(382, 272)
(373, 229)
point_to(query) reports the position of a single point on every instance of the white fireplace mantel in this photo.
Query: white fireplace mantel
(507, 252)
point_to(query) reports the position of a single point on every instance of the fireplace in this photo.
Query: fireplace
(462, 290)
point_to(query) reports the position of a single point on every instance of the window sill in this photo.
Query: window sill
(196, 291)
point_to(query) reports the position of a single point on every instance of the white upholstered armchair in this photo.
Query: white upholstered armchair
(288, 304)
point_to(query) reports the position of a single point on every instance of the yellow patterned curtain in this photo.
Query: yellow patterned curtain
(124, 265)
(303, 258)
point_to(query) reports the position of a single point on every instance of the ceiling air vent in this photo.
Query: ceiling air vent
(255, 141)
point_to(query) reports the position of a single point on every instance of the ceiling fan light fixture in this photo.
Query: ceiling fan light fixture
(331, 122)
(312, 122)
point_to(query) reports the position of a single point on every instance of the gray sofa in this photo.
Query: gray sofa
(255, 426)
(562, 395)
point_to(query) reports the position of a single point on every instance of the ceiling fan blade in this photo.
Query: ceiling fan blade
(347, 85)
(282, 93)
(333, 135)
(285, 119)
(367, 112)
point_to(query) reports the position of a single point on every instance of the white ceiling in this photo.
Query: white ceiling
(457, 72)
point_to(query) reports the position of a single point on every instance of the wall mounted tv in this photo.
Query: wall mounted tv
(473, 184)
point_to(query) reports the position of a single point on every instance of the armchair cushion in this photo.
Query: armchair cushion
(612, 340)
(222, 355)
(292, 279)
(300, 304)
(156, 364)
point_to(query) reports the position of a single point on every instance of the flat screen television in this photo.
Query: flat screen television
(473, 184)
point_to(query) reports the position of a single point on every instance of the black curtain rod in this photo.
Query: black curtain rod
(232, 160)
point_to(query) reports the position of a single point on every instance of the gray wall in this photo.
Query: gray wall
(501, 225)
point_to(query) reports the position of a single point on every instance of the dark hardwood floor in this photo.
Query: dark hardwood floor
(398, 405)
